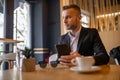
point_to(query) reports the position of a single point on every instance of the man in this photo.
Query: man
(82, 41)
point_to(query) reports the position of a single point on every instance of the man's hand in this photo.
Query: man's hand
(66, 60)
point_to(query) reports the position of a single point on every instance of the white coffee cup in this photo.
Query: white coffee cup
(84, 63)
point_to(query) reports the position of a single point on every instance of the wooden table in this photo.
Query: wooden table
(107, 72)
(11, 41)
(6, 40)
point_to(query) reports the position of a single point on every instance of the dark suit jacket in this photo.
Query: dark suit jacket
(89, 44)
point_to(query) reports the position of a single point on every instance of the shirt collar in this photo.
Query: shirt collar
(76, 34)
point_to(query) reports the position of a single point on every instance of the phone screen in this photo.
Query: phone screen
(62, 49)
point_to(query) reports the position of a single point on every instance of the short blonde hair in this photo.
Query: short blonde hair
(75, 7)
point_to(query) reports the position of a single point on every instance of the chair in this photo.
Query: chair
(115, 53)
(0, 64)
(10, 58)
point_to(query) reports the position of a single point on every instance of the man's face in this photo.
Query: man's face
(71, 18)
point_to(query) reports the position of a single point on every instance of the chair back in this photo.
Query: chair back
(115, 53)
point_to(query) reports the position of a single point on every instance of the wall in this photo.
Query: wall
(45, 24)
(110, 39)
(53, 23)
(45, 27)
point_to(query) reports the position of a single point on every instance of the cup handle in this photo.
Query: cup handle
(73, 61)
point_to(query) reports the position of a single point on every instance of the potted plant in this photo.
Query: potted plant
(28, 64)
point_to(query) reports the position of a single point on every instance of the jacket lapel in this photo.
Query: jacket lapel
(81, 38)
(67, 40)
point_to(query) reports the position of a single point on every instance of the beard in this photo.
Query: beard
(70, 27)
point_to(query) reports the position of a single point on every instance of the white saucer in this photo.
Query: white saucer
(93, 69)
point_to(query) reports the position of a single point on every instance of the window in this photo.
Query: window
(85, 20)
(22, 24)
(1, 25)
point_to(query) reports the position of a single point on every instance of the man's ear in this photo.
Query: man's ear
(80, 17)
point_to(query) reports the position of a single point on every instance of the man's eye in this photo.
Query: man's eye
(68, 17)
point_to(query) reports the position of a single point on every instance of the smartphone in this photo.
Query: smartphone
(62, 49)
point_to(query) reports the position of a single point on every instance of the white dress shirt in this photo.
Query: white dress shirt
(74, 41)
